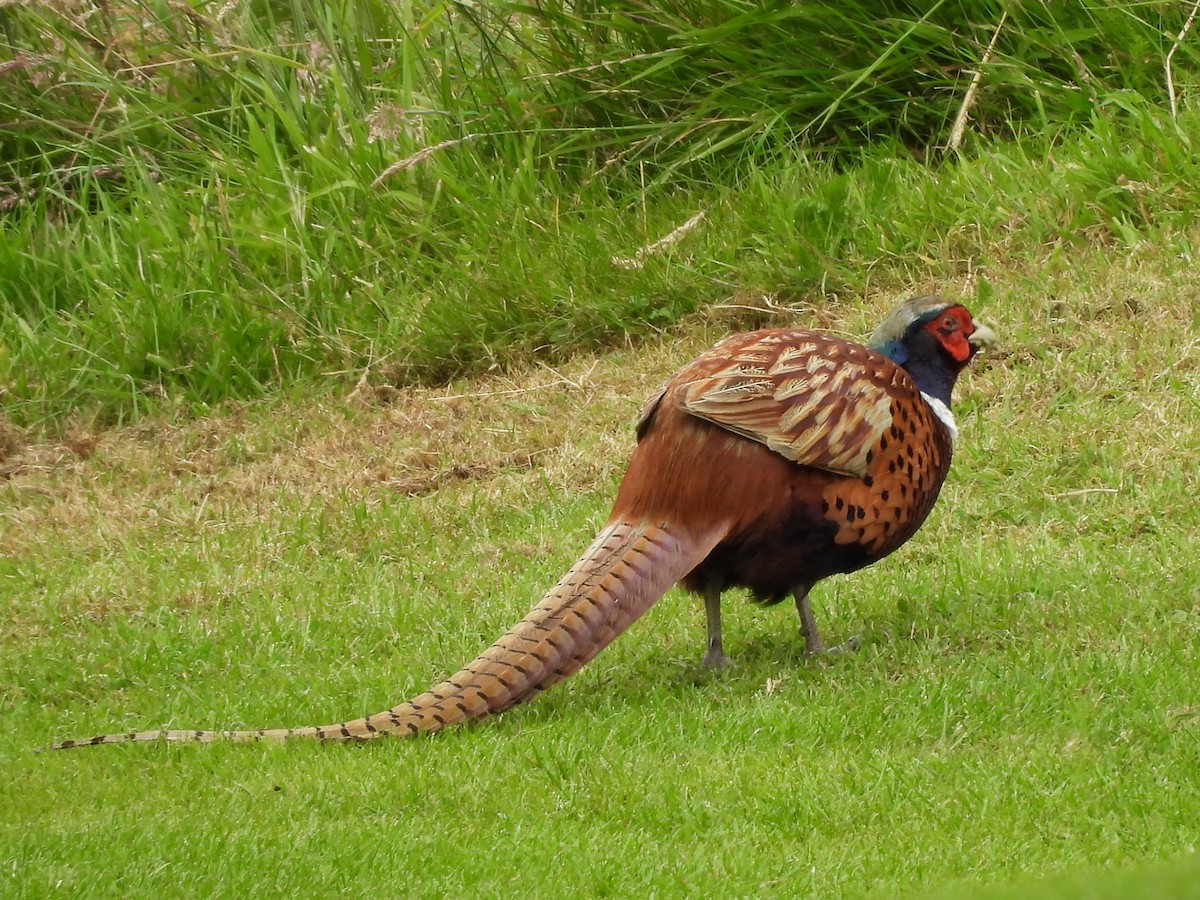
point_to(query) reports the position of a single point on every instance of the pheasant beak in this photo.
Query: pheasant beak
(982, 336)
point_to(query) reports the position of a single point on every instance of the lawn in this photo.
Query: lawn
(1025, 705)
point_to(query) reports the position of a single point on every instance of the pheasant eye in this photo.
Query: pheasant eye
(949, 323)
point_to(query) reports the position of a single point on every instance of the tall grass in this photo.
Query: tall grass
(679, 81)
(203, 201)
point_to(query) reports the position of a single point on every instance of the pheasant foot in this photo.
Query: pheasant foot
(849, 645)
(715, 658)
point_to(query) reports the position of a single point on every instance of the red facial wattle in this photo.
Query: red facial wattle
(952, 328)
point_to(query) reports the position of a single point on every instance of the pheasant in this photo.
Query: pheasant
(775, 459)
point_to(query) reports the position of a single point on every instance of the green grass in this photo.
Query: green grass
(674, 84)
(207, 294)
(1023, 712)
(287, 433)
(205, 202)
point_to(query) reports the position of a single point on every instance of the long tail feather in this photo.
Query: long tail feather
(625, 570)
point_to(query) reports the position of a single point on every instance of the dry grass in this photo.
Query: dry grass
(108, 484)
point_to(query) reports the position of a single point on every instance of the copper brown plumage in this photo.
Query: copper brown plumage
(773, 460)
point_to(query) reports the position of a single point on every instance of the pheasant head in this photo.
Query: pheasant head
(933, 339)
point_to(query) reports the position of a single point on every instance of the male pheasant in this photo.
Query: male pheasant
(775, 459)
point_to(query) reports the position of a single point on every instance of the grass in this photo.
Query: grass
(316, 369)
(1022, 717)
(230, 295)
(680, 83)
(209, 202)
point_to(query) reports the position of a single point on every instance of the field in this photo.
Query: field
(1025, 702)
(283, 441)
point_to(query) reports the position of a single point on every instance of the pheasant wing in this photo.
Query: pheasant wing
(814, 399)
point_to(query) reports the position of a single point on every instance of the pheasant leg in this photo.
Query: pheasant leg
(813, 645)
(714, 656)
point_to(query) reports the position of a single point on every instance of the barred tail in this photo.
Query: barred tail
(625, 570)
